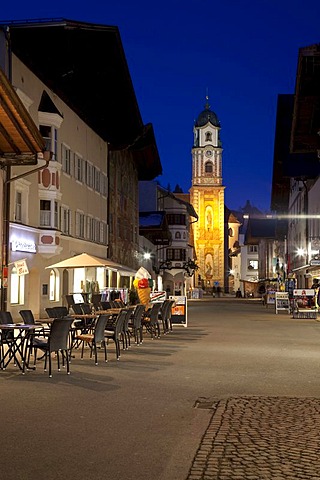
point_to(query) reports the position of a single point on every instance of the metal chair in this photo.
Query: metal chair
(96, 301)
(50, 311)
(135, 325)
(61, 311)
(57, 341)
(7, 336)
(95, 338)
(151, 320)
(165, 315)
(28, 319)
(114, 329)
(105, 305)
(126, 331)
(86, 308)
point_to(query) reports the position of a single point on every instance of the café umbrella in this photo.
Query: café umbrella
(86, 260)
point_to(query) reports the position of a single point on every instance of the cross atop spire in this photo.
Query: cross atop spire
(207, 106)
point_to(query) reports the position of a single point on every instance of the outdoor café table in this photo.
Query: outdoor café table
(89, 316)
(109, 311)
(86, 317)
(17, 345)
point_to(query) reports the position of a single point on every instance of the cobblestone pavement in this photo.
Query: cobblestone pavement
(260, 438)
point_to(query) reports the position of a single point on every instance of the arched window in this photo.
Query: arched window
(231, 232)
(53, 286)
(208, 167)
(178, 235)
(17, 287)
(208, 137)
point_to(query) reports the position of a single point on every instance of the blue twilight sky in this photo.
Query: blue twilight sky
(243, 51)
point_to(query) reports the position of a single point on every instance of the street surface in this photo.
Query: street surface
(234, 396)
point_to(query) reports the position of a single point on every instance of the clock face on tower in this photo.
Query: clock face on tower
(209, 153)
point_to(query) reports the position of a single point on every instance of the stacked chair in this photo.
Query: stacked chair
(165, 315)
(135, 324)
(114, 329)
(151, 320)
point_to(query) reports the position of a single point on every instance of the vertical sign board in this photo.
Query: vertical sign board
(282, 301)
(179, 310)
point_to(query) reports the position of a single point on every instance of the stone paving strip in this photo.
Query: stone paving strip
(260, 438)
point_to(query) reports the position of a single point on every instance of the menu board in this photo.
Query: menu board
(179, 310)
(282, 301)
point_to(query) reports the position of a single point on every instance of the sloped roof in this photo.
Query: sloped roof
(154, 227)
(259, 228)
(20, 140)
(306, 112)
(85, 65)
(288, 165)
(183, 199)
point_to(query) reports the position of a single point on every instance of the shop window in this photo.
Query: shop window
(16, 287)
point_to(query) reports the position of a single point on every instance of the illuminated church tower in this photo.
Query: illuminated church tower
(207, 198)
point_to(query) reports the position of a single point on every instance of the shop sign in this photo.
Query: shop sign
(23, 245)
(21, 267)
(314, 262)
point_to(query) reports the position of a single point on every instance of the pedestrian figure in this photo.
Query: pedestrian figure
(219, 291)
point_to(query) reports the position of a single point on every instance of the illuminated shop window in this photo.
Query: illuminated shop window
(53, 286)
(16, 287)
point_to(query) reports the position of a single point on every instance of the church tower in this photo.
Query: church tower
(207, 198)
